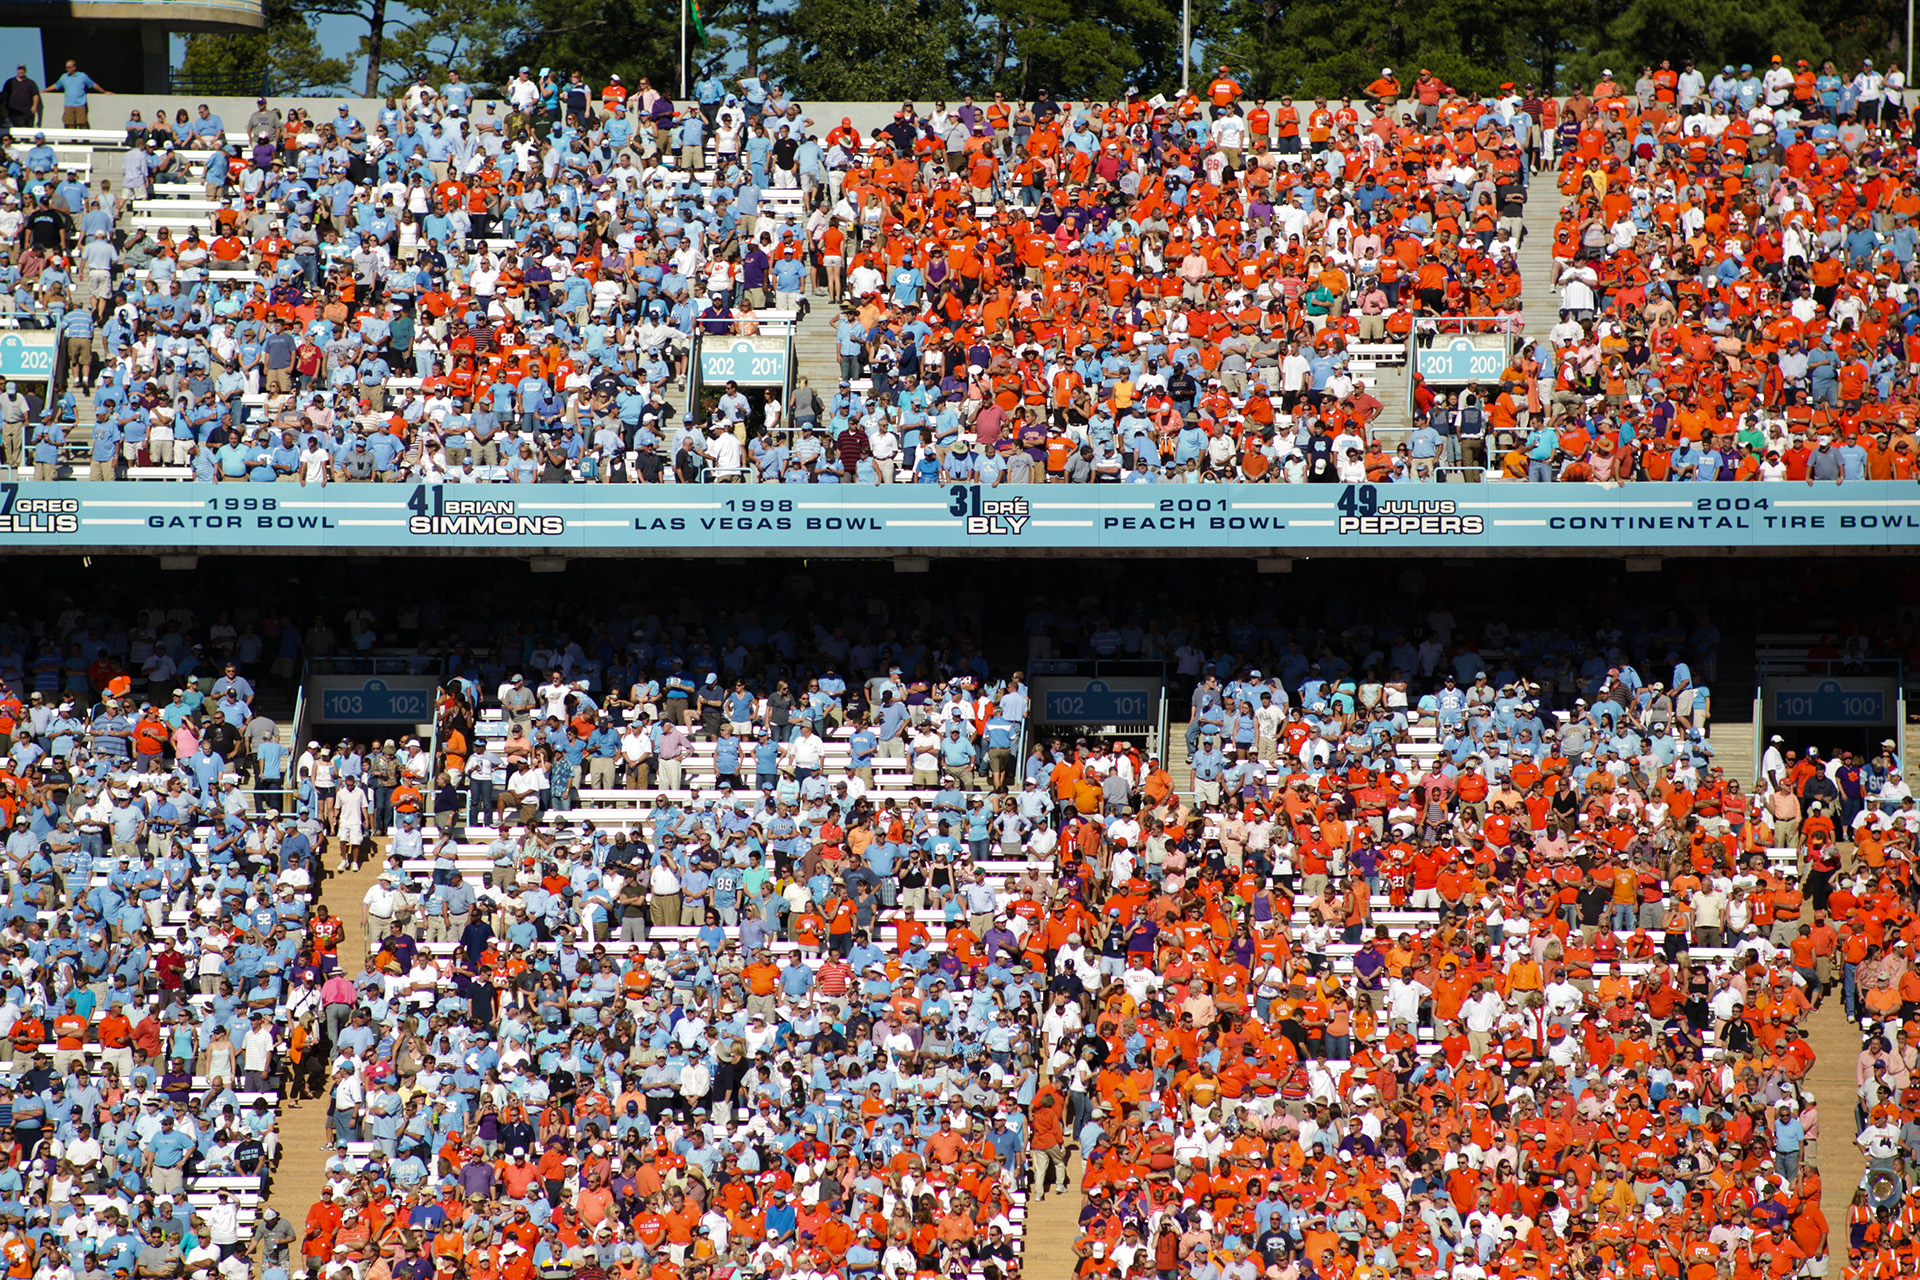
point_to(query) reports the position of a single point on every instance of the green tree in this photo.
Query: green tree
(447, 35)
(288, 51)
(1857, 29)
(1711, 32)
(874, 50)
(1075, 49)
(1325, 49)
(598, 37)
(372, 14)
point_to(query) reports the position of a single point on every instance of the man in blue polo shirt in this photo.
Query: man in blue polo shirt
(861, 746)
(167, 1158)
(74, 87)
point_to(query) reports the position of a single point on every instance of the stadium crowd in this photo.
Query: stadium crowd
(1140, 290)
(161, 958)
(1457, 954)
(1483, 965)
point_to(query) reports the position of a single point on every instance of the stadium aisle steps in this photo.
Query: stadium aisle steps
(82, 432)
(1837, 1044)
(304, 1132)
(814, 355)
(1177, 767)
(1540, 299)
(1393, 426)
(1053, 1225)
(1733, 751)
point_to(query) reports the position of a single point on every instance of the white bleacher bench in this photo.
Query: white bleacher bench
(242, 276)
(181, 223)
(896, 785)
(66, 154)
(198, 203)
(96, 139)
(159, 473)
(89, 138)
(247, 1204)
(1373, 355)
(775, 322)
(225, 1182)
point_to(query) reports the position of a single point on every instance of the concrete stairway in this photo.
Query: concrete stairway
(1836, 1042)
(1733, 751)
(1177, 765)
(1540, 299)
(304, 1131)
(1053, 1224)
(1393, 426)
(814, 349)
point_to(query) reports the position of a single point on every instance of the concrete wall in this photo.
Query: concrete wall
(110, 111)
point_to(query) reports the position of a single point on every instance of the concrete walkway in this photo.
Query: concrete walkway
(1053, 1225)
(1837, 1041)
(1540, 300)
(304, 1132)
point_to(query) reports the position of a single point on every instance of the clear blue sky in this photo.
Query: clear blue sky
(339, 37)
(18, 45)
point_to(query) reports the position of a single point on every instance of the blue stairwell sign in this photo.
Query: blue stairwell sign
(1096, 702)
(749, 361)
(27, 357)
(1459, 361)
(1830, 702)
(376, 702)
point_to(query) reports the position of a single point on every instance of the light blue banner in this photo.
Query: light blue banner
(803, 519)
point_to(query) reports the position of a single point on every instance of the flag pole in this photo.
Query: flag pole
(683, 46)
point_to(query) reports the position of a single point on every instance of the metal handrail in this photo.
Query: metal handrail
(1506, 324)
(1827, 666)
(1161, 734)
(430, 787)
(1019, 779)
(300, 706)
(289, 779)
